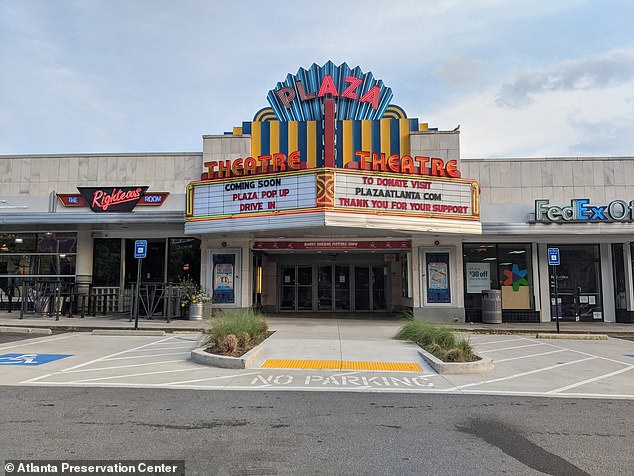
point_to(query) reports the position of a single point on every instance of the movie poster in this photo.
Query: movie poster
(437, 265)
(224, 279)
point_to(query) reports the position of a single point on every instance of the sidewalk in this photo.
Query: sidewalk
(122, 322)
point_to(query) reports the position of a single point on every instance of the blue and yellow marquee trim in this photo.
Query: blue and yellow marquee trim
(388, 135)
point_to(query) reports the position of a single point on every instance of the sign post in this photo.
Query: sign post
(554, 261)
(140, 252)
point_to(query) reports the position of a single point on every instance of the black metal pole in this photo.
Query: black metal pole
(136, 304)
(556, 298)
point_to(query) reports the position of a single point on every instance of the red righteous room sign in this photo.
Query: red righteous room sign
(113, 199)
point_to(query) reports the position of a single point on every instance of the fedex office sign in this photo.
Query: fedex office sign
(582, 211)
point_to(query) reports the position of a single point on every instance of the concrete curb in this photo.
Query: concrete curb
(224, 362)
(479, 366)
(126, 332)
(25, 330)
(573, 336)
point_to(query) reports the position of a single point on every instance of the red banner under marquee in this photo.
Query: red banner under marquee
(333, 245)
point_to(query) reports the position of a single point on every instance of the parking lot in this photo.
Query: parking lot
(523, 365)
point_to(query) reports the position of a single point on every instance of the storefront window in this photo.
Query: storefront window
(578, 283)
(513, 275)
(152, 266)
(183, 259)
(35, 256)
(618, 265)
(503, 266)
(480, 272)
(107, 262)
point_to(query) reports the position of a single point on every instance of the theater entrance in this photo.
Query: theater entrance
(329, 287)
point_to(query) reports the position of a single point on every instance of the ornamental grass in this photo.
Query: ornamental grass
(236, 332)
(439, 341)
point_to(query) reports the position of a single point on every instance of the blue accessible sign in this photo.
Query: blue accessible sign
(30, 359)
(553, 256)
(140, 248)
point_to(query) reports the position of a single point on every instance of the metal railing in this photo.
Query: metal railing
(59, 298)
(155, 300)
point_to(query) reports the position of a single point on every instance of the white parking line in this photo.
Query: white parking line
(511, 348)
(36, 342)
(587, 353)
(112, 355)
(146, 356)
(509, 377)
(590, 380)
(174, 347)
(183, 382)
(123, 366)
(500, 341)
(97, 379)
(497, 361)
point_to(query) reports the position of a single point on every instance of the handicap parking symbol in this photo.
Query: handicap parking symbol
(30, 359)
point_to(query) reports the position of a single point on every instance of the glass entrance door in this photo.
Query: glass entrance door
(296, 288)
(362, 288)
(304, 288)
(342, 288)
(324, 288)
(339, 287)
(370, 288)
(333, 288)
(379, 301)
(578, 284)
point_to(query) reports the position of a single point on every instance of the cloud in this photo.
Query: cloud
(592, 72)
(458, 71)
(581, 122)
(605, 137)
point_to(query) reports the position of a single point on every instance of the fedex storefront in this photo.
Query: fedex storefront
(333, 200)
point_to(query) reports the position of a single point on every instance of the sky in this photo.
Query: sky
(521, 78)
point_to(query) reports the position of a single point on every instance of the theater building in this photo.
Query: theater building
(331, 200)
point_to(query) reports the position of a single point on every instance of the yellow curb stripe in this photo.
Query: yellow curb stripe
(340, 365)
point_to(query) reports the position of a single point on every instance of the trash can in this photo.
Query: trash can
(492, 306)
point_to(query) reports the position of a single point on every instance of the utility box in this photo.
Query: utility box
(492, 306)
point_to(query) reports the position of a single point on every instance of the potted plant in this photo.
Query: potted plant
(196, 305)
(191, 297)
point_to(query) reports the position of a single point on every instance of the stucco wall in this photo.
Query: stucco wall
(509, 187)
(25, 178)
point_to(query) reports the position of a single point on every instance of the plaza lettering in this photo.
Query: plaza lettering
(582, 211)
(287, 94)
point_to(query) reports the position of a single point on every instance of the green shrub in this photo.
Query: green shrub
(423, 333)
(249, 327)
(437, 340)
